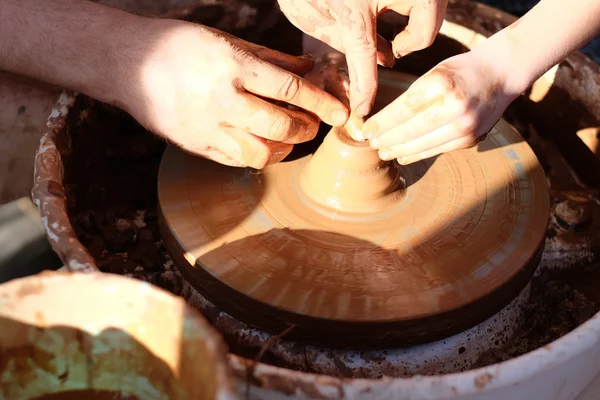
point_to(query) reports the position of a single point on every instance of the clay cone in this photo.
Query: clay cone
(348, 175)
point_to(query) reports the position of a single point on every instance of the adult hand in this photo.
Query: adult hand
(451, 107)
(349, 26)
(218, 96)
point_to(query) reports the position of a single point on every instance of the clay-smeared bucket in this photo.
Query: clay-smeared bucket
(558, 371)
(101, 336)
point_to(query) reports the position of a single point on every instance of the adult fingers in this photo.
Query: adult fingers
(298, 65)
(219, 157)
(457, 144)
(270, 81)
(360, 48)
(226, 151)
(253, 151)
(273, 122)
(423, 25)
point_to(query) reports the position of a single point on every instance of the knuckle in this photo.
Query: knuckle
(460, 107)
(470, 120)
(290, 88)
(420, 42)
(443, 79)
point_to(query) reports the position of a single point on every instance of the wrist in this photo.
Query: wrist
(125, 49)
(507, 61)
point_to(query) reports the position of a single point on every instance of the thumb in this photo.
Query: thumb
(423, 26)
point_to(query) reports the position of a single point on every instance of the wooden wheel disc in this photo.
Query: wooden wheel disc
(461, 241)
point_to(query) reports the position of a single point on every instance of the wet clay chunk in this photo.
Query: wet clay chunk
(354, 252)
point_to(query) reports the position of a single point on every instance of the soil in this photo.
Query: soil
(111, 186)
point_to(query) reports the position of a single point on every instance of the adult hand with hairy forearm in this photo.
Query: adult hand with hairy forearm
(208, 92)
(458, 102)
(349, 26)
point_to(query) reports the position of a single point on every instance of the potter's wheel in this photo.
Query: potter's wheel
(392, 256)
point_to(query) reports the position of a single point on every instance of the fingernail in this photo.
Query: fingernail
(277, 156)
(385, 61)
(363, 110)
(370, 130)
(384, 155)
(308, 57)
(339, 117)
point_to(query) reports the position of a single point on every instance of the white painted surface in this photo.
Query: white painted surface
(592, 392)
(559, 371)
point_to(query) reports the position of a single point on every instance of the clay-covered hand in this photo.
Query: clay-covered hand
(451, 107)
(349, 26)
(234, 102)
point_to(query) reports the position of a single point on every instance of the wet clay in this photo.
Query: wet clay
(345, 174)
(349, 176)
(296, 244)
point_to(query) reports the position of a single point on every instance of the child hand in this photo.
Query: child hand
(451, 107)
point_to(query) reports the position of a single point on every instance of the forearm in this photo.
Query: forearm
(75, 44)
(540, 39)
